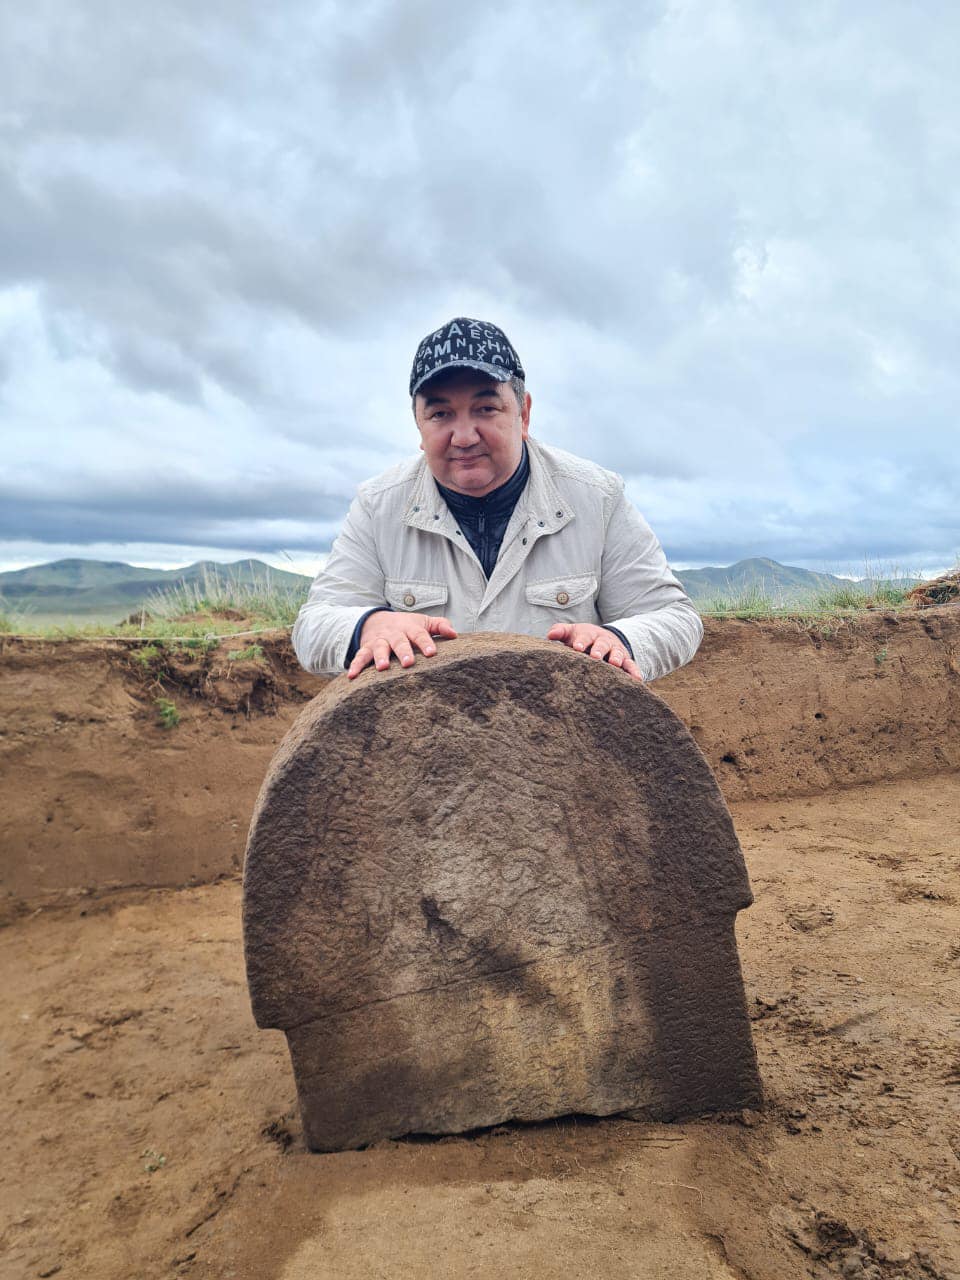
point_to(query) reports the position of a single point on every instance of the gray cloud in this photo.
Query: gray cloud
(722, 238)
(196, 512)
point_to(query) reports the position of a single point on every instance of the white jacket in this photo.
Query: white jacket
(575, 550)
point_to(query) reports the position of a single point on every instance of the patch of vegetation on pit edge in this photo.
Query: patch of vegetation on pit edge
(167, 713)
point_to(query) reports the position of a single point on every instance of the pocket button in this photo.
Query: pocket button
(409, 599)
(563, 597)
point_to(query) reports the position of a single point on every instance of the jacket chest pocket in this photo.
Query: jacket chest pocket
(562, 593)
(412, 595)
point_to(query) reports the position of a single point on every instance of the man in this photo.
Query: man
(491, 531)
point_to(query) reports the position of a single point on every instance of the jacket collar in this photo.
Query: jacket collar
(540, 504)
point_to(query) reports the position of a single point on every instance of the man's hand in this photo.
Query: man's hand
(595, 642)
(386, 633)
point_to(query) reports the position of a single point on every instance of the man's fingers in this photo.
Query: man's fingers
(600, 648)
(362, 658)
(584, 638)
(424, 642)
(440, 627)
(404, 651)
(389, 639)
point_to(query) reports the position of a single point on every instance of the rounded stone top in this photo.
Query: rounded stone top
(503, 801)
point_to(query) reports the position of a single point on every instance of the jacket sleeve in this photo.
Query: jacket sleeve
(349, 585)
(641, 597)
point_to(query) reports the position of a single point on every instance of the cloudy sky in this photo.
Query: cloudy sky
(724, 236)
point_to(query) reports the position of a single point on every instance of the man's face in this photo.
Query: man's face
(471, 430)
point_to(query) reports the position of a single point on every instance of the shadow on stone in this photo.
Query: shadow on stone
(499, 886)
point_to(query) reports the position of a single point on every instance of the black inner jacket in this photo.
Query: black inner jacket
(484, 520)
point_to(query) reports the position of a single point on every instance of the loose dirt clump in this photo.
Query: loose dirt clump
(942, 590)
(235, 673)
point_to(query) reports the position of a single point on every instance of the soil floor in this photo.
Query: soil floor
(151, 1129)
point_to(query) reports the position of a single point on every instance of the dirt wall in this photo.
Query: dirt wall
(781, 709)
(98, 793)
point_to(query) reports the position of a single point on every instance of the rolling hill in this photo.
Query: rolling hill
(106, 590)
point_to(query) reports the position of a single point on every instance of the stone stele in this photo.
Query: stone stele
(500, 885)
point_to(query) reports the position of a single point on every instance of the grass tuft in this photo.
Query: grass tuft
(147, 655)
(753, 601)
(193, 643)
(839, 599)
(167, 712)
(12, 620)
(264, 601)
(252, 653)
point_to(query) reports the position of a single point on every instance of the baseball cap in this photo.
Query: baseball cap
(465, 343)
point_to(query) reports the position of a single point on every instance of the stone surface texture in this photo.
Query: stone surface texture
(499, 885)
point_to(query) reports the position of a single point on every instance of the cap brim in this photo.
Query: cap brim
(495, 371)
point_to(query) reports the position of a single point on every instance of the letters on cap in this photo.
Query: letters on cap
(465, 343)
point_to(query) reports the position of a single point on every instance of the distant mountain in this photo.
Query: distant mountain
(106, 590)
(776, 581)
(75, 575)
